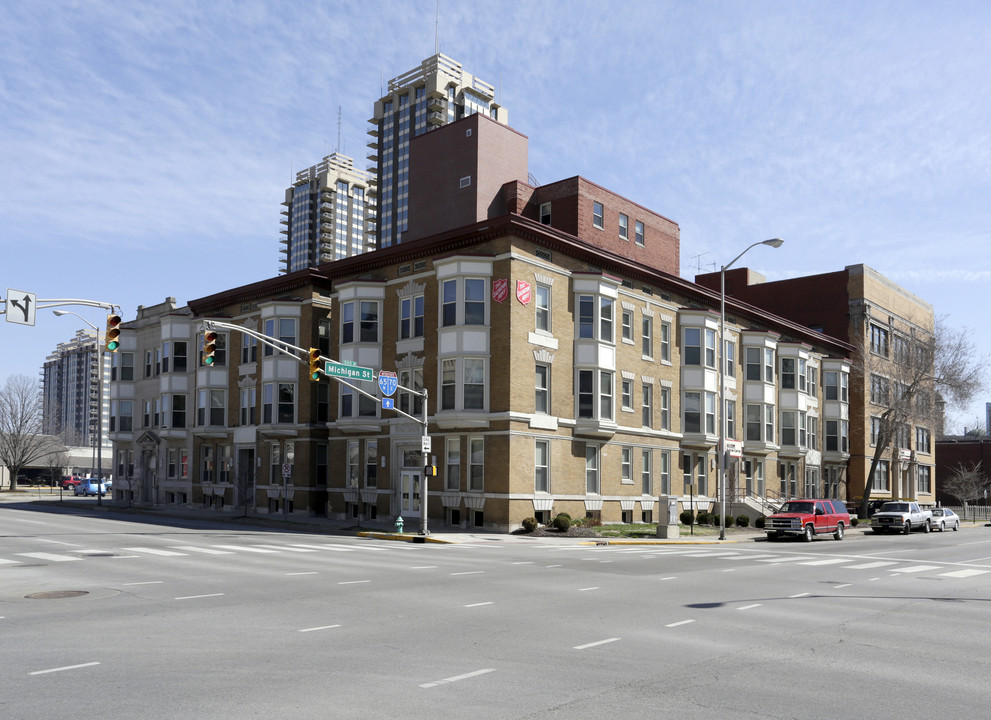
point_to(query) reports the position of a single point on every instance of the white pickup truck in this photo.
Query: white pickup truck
(901, 516)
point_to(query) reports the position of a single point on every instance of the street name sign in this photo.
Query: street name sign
(351, 372)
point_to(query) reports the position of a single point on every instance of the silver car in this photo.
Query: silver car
(944, 518)
(90, 486)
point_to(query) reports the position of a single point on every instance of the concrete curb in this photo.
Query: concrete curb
(406, 537)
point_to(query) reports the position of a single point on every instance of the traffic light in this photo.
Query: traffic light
(209, 347)
(113, 332)
(314, 364)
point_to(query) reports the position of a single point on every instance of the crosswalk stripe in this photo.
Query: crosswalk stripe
(9, 562)
(970, 572)
(154, 551)
(870, 565)
(247, 548)
(204, 550)
(786, 559)
(333, 548)
(827, 561)
(49, 556)
(287, 548)
(915, 568)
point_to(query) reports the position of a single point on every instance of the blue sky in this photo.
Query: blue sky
(145, 146)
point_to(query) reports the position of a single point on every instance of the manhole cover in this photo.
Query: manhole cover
(54, 594)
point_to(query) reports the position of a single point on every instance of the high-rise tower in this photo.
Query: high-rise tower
(328, 214)
(71, 403)
(436, 93)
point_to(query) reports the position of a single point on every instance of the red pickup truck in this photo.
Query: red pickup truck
(808, 518)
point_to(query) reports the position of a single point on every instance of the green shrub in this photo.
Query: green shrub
(566, 515)
(759, 522)
(562, 522)
(742, 521)
(854, 522)
(529, 524)
(703, 518)
(685, 517)
(592, 520)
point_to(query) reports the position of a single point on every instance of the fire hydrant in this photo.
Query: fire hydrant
(399, 524)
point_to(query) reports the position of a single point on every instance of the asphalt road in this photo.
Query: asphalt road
(210, 620)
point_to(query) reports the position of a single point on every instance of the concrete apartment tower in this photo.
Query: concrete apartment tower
(328, 214)
(71, 405)
(434, 94)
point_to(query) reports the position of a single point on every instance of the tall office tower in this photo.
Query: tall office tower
(71, 404)
(327, 214)
(434, 94)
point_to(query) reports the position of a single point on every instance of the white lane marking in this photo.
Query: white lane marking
(787, 559)
(749, 607)
(915, 568)
(288, 548)
(57, 542)
(730, 570)
(424, 567)
(25, 520)
(827, 561)
(680, 622)
(595, 644)
(480, 604)
(49, 556)
(670, 577)
(245, 548)
(196, 597)
(525, 562)
(870, 565)
(204, 550)
(155, 551)
(456, 678)
(469, 572)
(9, 562)
(588, 588)
(799, 595)
(550, 566)
(312, 572)
(66, 667)
(838, 587)
(335, 548)
(322, 627)
(353, 582)
(146, 582)
(964, 573)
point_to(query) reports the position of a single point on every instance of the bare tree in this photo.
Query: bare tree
(21, 440)
(967, 483)
(912, 382)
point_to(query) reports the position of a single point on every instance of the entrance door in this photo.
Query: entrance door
(409, 490)
(245, 478)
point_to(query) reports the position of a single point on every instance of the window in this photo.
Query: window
(275, 464)
(122, 367)
(646, 407)
(210, 407)
(542, 306)
(646, 469)
(692, 422)
(545, 213)
(146, 419)
(753, 369)
(206, 464)
(730, 410)
(788, 373)
(923, 440)
(448, 384)
(879, 340)
(837, 436)
(178, 404)
(813, 438)
(347, 323)
(472, 310)
(597, 215)
(665, 488)
(626, 390)
(371, 464)
(411, 317)
(875, 430)
(753, 428)
(879, 390)
(626, 466)
(249, 349)
(179, 355)
(647, 337)
(813, 380)
(638, 230)
(476, 464)
(474, 384)
(587, 388)
(768, 365)
(591, 469)
(249, 401)
(665, 342)
(925, 479)
(278, 403)
(587, 318)
(882, 476)
(323, 403)
(170, 463)
(694, 338)
(465, 181)
(408, 402)
(835, 385)
(624, 227)
(542, 393)
(281, 329)
(729, 351)
(541, 467)
(788, 429)
(452, 475)
(627, 322)
(665, 408)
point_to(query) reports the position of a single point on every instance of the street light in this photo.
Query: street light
(775, 243)
(99, 392)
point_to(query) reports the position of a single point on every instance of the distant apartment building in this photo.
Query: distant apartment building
(436, 93)
(328, 214)
(886, 322)
(71, 403)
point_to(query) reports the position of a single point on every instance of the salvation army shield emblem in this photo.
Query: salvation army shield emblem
(523, 291)
(500, 289)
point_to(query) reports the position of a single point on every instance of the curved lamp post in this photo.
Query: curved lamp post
(775, 243)
(99, 392)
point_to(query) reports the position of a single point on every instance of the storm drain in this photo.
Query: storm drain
(56, 594)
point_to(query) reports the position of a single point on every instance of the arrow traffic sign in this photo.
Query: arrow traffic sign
(21, 307)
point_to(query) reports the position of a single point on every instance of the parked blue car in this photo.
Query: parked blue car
(90, 486)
